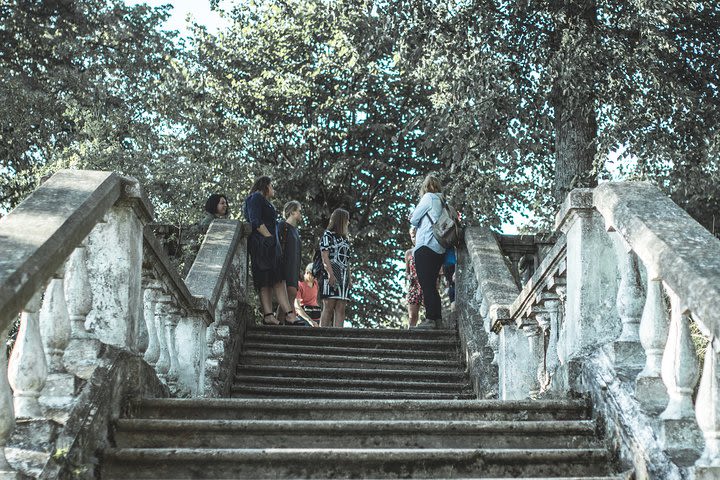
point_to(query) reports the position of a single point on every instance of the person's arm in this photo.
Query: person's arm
(301, 311)
(325, 254)
(255, 208)
(421, 209)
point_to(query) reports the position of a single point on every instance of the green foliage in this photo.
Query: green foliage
(349, 104)
(516, 80)
(305, 91)
(79, 88)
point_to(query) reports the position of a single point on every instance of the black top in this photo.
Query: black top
(291, 247)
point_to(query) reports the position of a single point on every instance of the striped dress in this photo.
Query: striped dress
(338, 249)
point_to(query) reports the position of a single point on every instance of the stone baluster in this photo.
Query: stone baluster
(680, 372)
(58, 395)
(78, 293)
(81, 354)
(171, 322)
(143, 332)
(654, 323)
(55, 322)
(629, 303)
(548, 320)
(150, 295)
(27, 369)
(535, 358)
(162, 311)
(707, 412)
(7, 419)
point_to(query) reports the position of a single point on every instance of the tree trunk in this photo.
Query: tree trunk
(575, 116)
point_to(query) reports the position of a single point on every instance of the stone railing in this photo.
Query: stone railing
(593, 320)
(104, 318)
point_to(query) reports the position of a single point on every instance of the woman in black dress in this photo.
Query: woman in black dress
(265, 255)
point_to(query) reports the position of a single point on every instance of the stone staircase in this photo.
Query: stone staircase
(349, 403)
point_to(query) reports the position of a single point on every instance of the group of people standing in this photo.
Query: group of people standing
(275, 255)
(275, 260)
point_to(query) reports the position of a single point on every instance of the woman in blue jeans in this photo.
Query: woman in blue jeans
(428, 253)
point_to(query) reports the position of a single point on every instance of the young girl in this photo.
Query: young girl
(306, 300)
(414, 292)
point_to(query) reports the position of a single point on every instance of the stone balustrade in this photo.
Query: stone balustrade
(593, 319)
(90, 281)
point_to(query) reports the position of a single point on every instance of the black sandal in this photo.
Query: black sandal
(298, 322)
(265, 322)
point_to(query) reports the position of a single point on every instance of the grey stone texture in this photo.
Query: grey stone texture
(484, 289)
(35, 242)
(592, 277)
(632, 431)
(669, 242)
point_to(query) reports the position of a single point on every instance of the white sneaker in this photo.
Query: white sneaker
(426, 324)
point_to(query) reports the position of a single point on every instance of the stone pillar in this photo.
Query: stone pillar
(152, 290)
(58, 395)
(7, 419)
(81, 355)
(192, 353)
(680, 372)
(547, 319)
(627, 348)
(143, 334)
(171, 322)
(162, 311)
(516, 375)
(707, 411)
(535, 358)
(55, 323)
(27, 369)
(650, 390)
(115, 268)
(591, 319)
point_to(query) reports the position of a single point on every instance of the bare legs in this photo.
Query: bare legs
(413, 314)
(281, 295)
(290, 292)
(333, 314)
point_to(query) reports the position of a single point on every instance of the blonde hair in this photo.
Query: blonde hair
(339, 220)
(430, 184)
(291, 207)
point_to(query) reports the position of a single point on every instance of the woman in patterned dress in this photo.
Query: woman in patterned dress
(414, 292)
(335, 253)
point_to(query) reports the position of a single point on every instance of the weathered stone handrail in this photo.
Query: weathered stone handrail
(593, 315)
(486, 285)
(81, 240)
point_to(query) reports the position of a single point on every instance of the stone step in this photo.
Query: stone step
(398, 384)
(312, 394)
(341, 409)
(289, 338)
(144, 433)
(351, 463)
(408, 352)
(339, 361)
(320, 372)
(390, 333)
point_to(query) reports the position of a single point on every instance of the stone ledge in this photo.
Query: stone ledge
(671, 244)
(207, 274)
(35, 241)
(491, 271)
